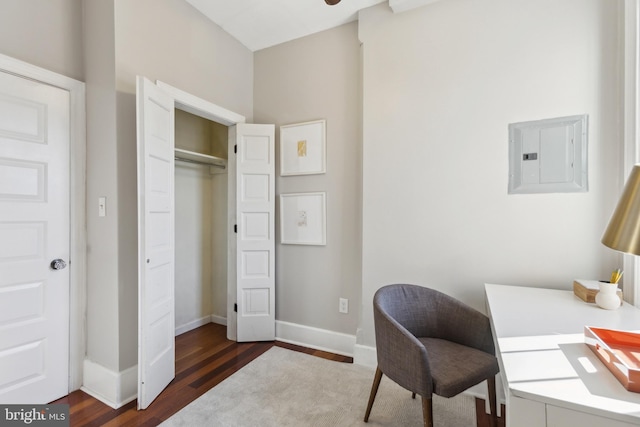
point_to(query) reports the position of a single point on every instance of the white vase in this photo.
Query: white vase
(607, 297)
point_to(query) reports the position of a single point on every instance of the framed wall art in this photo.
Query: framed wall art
(303, 219)
(303, 148)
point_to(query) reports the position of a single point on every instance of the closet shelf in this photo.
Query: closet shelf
(205, 159)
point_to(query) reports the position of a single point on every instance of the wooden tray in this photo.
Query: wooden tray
(619, 351)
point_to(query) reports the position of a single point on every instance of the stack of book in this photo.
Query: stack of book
(586, 290)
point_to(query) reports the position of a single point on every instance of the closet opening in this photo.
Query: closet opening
(201, 215)
(203, 230)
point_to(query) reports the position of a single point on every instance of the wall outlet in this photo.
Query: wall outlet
(344, 305)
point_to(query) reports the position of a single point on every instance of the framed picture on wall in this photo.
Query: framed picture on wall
(303, 219)
(303, 148)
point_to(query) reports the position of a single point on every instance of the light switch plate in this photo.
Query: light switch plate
(102, 206)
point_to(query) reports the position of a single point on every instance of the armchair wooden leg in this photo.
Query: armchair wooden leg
(374, 391)
(493, 416)
(427, 411)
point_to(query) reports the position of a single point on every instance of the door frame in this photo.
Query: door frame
(77, 202)
(208, 110)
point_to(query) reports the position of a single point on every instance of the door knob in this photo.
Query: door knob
(58, 264)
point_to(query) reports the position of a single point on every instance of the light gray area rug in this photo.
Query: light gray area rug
(288, 388)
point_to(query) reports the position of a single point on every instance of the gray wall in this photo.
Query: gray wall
(318, 77)
(103, 309)
(168, 41)
(172, 42)
(201, 224)
(46, 33)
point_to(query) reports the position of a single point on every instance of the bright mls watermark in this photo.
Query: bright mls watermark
(54, 415)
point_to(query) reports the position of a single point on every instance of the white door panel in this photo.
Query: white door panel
(156, 310)
(34, 230)
(255, 251)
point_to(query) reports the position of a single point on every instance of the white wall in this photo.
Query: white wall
(441, 83)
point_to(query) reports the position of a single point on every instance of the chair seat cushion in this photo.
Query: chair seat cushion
(455, 368)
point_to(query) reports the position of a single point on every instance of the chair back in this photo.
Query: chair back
(398, 319)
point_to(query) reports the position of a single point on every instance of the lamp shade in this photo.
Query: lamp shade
(623, 231)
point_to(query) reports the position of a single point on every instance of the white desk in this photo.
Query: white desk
(550, 377)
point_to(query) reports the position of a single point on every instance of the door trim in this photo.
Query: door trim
(77, 238)
(200, 107)
(192, 104)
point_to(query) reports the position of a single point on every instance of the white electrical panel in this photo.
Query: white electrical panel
(548, 156)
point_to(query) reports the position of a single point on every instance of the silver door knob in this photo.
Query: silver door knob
(58, 264)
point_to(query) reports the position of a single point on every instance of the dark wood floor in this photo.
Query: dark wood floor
(483, 419)
(204, 358)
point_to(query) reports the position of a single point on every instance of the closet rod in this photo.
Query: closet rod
(200, 163)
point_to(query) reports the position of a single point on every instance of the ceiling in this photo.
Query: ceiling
(259, 24)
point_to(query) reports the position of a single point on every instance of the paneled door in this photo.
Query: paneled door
(34, 241)
(255, 252)
(156, 248)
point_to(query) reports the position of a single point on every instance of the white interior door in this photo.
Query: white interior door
(156, 306)
(255, 251)
(34, 230)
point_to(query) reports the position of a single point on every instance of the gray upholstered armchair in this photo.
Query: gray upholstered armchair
(429, 342)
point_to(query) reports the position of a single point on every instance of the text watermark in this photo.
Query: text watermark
(53, 415)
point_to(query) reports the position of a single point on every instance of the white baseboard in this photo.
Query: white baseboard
(319, 339)
(365, 355)
(117, 389)
(199, 322)
(111, 388)
(218, 320)
(192, 325)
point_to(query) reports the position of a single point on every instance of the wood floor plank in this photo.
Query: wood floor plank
(220, 373)
(313, 352)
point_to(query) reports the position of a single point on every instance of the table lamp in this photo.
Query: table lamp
(623, 231)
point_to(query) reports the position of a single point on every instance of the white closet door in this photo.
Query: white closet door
(156, 301)
(255, 251)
